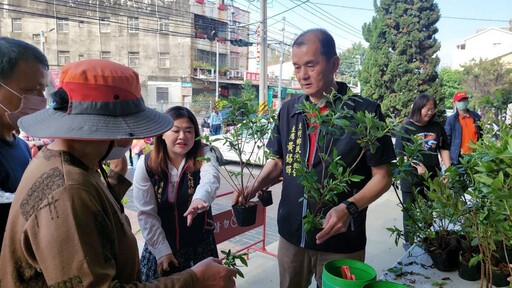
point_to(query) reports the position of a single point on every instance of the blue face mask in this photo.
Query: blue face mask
(462, 105)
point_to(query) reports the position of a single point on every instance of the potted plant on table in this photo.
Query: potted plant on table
(247, 140)
(433, 218)
(489, 170)
(323, 190)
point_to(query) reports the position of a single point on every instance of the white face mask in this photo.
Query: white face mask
(117, 152)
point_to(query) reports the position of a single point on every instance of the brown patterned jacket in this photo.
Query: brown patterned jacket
(66, 230)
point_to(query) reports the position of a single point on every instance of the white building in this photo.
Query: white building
(486, 44)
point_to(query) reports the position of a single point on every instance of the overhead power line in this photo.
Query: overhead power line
(447, 17)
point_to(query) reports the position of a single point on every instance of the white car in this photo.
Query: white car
(253, 151)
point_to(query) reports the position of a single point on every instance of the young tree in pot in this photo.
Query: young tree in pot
(469, 260)
(490, 173)
(431, 218)
(324, 190)
(247, 140)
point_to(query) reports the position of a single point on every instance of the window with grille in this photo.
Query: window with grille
(105, 55)
(162, 94)
(163, 24)
(210, 57)
(63, 57)
(104, 24)
(133, 59)
(63, 25)
(164, 60)
(16, 25)
(234, 60)
(133, 24)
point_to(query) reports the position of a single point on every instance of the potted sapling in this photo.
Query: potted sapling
(247, 141)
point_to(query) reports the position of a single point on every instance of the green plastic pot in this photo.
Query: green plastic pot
(331, 276)
(384, 284)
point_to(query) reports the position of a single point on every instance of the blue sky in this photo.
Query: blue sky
(344, 19)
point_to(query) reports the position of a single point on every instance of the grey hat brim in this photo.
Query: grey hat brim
(50, 123)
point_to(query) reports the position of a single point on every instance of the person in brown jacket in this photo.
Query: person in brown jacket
(67, 226)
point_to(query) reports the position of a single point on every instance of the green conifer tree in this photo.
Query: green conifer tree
(401, 60)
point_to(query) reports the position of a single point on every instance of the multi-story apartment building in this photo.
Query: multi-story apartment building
(172, 44)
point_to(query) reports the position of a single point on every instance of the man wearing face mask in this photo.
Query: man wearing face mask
(23, 71)
(462, 127)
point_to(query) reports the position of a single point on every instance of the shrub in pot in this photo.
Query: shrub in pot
(324, 190)
(432, 219)
(246, 138)
(489, 169)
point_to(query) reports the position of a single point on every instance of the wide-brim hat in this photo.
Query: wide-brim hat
(105, 102)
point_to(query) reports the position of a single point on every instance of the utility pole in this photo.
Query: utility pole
(263, 56)
(42, 39)
(359, 68)
(281, 60)
(217, 73)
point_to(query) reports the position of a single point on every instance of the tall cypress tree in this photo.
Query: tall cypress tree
(400, 61)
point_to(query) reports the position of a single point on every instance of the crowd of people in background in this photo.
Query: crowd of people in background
(63, 206)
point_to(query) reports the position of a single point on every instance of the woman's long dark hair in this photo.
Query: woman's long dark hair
(419, 103)
(159, 156)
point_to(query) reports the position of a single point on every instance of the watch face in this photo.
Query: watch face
(352, 208)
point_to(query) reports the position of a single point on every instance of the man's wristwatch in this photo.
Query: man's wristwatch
(351, 208)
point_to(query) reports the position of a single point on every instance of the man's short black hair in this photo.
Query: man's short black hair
(12, 51)
(327, 44)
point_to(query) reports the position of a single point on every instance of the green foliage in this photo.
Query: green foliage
(490, 84)
(430, 221)
(350, 61)
(451, 82)
(248, 92)
(201, 104)
(324, 190)
(249, 136)
(202, 65)
(489, 171)
(401, 60)
(232, 259)
(474, 197)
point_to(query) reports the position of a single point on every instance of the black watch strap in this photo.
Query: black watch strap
(351, 208)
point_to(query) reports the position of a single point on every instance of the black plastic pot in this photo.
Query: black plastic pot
(446, 260)
(245, 215)
(469, 273)
(499, 279)
(266, 198)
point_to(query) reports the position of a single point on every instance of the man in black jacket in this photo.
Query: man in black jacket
(343, 234)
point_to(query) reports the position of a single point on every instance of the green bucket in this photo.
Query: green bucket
(331, 276)
(384, 284)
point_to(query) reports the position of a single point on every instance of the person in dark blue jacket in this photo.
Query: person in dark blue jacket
(462, 127)
(23, 69)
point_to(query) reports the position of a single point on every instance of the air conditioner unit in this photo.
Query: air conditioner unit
(238, 74)
(231, 74)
